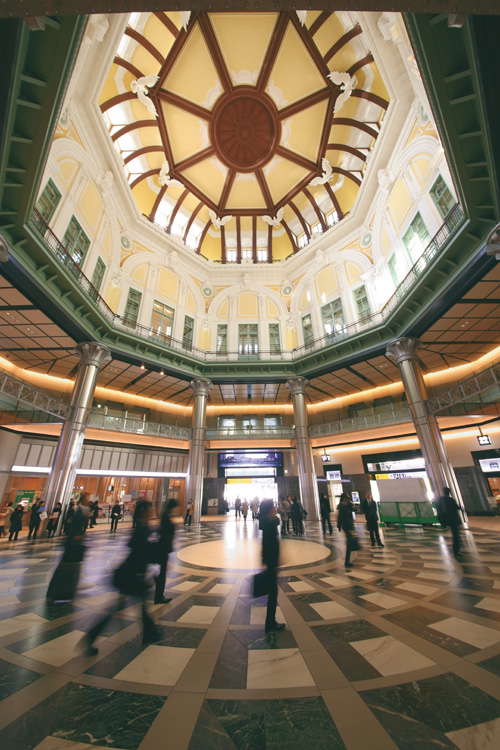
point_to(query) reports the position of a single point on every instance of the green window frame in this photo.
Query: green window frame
(274, 338)
(132, 307)
(187, 333)
(442, 197)
(416, 238)
(307, 330)
(97, 277)
(221, 343)
(362, 302)
(48, 201)
(332, 315)
(76, 242)
(162, 319)
(248, 340)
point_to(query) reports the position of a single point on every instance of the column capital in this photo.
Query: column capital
(92, 353)
(403, 349)
(201, 386)
(297, 385)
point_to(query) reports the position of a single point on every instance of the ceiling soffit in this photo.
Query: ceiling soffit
(236, 118)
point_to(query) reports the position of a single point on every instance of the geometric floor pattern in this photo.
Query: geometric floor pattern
(400, 652)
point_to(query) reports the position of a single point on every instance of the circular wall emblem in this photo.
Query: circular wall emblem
(207, 290)
(245, 129)
(287, 289)
(367, 238)
(125, 242)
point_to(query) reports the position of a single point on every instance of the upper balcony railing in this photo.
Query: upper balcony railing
(452, 221)
(250, 433)
(100, 421)
(36, 399)
(366, 422)
(468, 389)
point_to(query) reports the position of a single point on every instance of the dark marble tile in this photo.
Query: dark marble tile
(265, 725)
(230, 671)
(416, 620)
(466, 603)
(257, 640)
(475, 584)
(492, 665)
(336, 640)
(80, 713)
(42, 637)
(241, 611)
(302, 601)
(439, 704)
(13, 678)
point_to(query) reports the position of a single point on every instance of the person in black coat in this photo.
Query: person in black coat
(370, 510)
(325, 510)
(452, 515)
(164, 544)
(269, 522)
(345, 523)
(16, 523)
(35, 519)
(129, 579)
(116, 514)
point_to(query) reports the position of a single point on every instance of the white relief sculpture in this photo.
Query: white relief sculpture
(185, 16)
(290, 324)
(347, 85)
(105, 180)
(301, 15)
(219, 166)
(218, 222)
(276, 220)
(244, 77)
(96, 29)
(140, 87)
(385, 179)
(276, 93)
(212, 95)
(286, 132)
(272, 165)
(165, 179)
(204, 137)
(246, 177)
(493, 242)
(327, 173)
(385, 25)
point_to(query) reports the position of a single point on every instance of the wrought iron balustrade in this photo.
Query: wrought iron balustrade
(470, 388)
(101, 421)
(365, 422)
(253, 433)
(27, 394)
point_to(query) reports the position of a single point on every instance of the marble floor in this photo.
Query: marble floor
(400, 652)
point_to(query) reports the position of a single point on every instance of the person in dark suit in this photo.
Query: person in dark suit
(269, 523)
(345, 523)
(325, 510)
(453, 518)
(165, 543)
(35, 519)
(116, 514)
(16, 523)
(370, 510)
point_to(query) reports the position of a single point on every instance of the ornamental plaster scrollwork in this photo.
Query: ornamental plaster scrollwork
(105, 180)
(97, 28)
(493, 242)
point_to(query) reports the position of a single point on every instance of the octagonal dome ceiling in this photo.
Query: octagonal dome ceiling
(244, 134)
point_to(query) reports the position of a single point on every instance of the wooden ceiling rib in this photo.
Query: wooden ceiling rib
(118, 99)
(141, 152)
(174, 53)
(157, 202)
(140, 39)
(298, 214)
(334, 200)
(188, 106)
(369, 96)
(291, 236)
(228, 184)
(191, 161)
(134, 126)
(191, 219)
(264, 189)
(360, 64)
(179, 203)
(301, 161)
(170, 25)
(144, 176)
(128, 66)
(215, 52)
(347, 149)
(302, 104)
(345, 39)
(318, 23)
(316, 208)
(352, 123)
(272, 51)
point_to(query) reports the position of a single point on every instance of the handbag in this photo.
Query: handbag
(127, 581)
(353, 543)
(260, 584)
(43, 515)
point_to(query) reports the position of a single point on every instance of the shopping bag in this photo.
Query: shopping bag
(353, 543)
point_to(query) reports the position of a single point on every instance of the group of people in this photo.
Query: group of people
(291, 510)
(13, 518)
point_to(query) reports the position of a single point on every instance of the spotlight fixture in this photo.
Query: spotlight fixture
(161, 372)
(142, 366)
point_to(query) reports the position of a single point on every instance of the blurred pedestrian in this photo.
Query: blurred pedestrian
(345, 523)
(164, 546)
(270, 557)
(189, 513)
(283, 514)
(370, 509)
(16, 523)
(54, 520)
(64, 581)
(297, 513)
(452, 518)
(244, 509)
(116, 514)
(325, 510)
(34, 523)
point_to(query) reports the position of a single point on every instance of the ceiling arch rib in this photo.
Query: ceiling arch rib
(297, 137)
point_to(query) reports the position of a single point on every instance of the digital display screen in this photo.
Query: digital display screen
(267, 458)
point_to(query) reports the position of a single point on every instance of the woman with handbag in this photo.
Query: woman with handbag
(130, 580)
(345, 523)
(164, 546)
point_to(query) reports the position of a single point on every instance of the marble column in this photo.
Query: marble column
(307, 475)
(439, 469)
(62, 476)
(194, 484)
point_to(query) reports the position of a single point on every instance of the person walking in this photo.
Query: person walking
(254, 507)
(452, 517)
(244, 509)
(16, 523)
(116, 514)
(164, 547)
(68, 519)
(34, 523)
(370, 509)
(189, 512)
(270, 558)
(237, 507)
(130, 580)
(345, 523)
(325, 510)
(64, 581)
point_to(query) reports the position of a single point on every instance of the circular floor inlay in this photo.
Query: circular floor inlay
(245, 554)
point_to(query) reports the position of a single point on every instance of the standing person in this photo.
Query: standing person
(16, 523)
(164, 544)
(7, 513)
(297, 516)
(54, 520)
(68, 519)
(244, 509)
(237, 507)
(2, 523)
(283, 514)
(129, 579)
(82, 515)
(254, 506)
(116, 514)
(34, 523)
(345, 523)
(370, 509)
(288, 503)
(189, 512)
(94, 514)
(270, 557)
(452, 517)
(325, 510)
